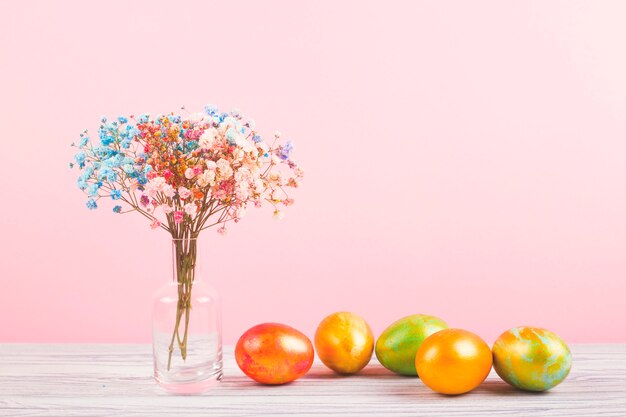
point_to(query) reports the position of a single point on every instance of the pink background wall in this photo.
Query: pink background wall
(464, 159)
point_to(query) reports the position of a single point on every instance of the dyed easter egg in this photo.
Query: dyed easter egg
(398, 343)
(344, 342)
(531, 358)
(453, 361)
(274, 353)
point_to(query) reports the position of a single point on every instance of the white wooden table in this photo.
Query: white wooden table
(116, 380)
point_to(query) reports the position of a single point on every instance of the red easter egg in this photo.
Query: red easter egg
(274, 353)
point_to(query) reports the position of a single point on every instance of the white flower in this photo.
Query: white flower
(277, 195)
(224, 169)
(206, 178)
(196, 117)
(191, 209)
(211, 165)
(242, 174)
(207, 139)
(263, 147)
(242, 191)
(167, 209)
(238, 155)
(230, 121)
(189, 173)
(201, 181)
(169, 191)
(276, 178)
(241, 212)
(278, 215)
(245, 144)
(259, 186)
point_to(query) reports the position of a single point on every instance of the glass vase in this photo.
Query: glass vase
(186, 326)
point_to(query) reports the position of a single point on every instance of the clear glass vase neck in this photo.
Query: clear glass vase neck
(185, 260)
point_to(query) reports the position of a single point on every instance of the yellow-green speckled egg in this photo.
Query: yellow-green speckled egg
(397, 345)
(531, 358)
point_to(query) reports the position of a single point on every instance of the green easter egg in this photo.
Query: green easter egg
(397, 345)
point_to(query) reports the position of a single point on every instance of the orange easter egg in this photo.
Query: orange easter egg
(274, 353)
(453, 361)
(344, 342)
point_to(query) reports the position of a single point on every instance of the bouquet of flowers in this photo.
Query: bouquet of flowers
(185, 174)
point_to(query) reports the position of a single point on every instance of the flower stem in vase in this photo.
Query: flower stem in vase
(185, 266)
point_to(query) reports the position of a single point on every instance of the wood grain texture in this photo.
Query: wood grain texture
(116, 380)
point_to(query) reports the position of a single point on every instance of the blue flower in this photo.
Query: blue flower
(122, 119)
(116, 194)
(117, 209)
(82, 183)
(285, 151)
(106, 139)
(80, 158)
(130, 133)
(102, 174)
(88, 171)
(83, 140)
(128, 168)
(103, 119)
(257, 138)
(113, 161)
(210, 109)
(103, 152)
(174, 118)
(91, 204)
(92, 190)
(231, 136)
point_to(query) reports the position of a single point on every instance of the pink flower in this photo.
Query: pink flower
(178, 217)
(191, 209)
(288, 201)
(155, 224)
(183, 193)
(167, 209)
(197, 170)
(169, 191)
(155, 185)
(222, 230)
(189, 173)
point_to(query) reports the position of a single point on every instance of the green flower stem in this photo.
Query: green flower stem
(185, 253)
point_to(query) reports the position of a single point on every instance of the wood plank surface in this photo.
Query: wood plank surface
(116, 380)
